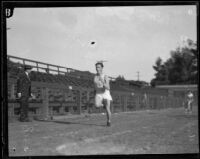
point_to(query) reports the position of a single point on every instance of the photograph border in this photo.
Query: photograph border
(11, 5)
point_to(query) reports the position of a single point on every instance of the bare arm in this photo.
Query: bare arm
(94, 85)
(106, 83)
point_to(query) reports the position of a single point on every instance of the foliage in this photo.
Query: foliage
(180, 68)
(120, 78)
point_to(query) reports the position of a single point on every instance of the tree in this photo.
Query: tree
(180, 68)
(161, 73)
(120, 78)
(160, 68)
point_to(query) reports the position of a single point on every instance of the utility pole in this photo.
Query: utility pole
(138, 75)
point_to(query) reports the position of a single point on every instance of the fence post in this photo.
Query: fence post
(62, 107)
(79, 95)
(37, 66)
(170, 102)
(122, 103)
(165, 102)
(162, 102)
(173, 102)
(154, 102)
(23, 62)
(147, 102)
(12, 91)
(58, 70)
(45, 103)
(125, 103)
(151, 102)
(157, 102)
(137, 102)
(88, 101)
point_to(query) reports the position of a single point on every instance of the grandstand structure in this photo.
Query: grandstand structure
(60, 91)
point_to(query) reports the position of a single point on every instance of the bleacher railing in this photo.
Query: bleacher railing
(50, 68)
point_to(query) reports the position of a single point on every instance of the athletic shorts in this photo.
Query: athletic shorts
(99, 97)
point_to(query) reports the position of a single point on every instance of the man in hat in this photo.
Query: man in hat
(24, 92)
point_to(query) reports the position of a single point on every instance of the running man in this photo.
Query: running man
(102, 91)
(189, 102)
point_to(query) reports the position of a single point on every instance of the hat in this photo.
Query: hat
(101, 61)
(27, 67)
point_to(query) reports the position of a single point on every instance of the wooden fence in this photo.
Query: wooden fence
(56, 99)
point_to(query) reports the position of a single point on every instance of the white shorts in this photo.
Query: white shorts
(99, 97)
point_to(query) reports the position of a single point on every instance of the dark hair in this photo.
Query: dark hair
(99, 63)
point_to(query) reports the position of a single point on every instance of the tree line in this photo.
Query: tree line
(180, 68)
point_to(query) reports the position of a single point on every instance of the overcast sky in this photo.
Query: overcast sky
(129, 38)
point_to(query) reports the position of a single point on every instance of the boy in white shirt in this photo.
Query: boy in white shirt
(189, 101)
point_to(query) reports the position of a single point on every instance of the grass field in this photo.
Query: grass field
(139, 132)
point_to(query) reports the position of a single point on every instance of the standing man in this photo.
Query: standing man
(24, 92)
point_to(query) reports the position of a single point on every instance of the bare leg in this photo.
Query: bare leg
(108, 112)
(190, 107)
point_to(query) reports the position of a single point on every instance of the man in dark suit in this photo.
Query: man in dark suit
(24, 92)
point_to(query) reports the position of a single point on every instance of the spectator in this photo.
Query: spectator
(189, 102)
(24, 93)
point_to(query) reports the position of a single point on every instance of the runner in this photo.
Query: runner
(102, 90)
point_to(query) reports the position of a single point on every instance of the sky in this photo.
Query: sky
(129, 38)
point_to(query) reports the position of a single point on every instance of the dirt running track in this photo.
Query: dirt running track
(139, 132)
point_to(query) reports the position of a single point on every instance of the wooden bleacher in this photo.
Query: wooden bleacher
(68, 91)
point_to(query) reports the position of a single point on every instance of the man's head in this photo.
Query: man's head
(27, 68)
(99, 67)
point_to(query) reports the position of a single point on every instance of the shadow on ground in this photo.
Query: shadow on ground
(79, 123)
(68, 122)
